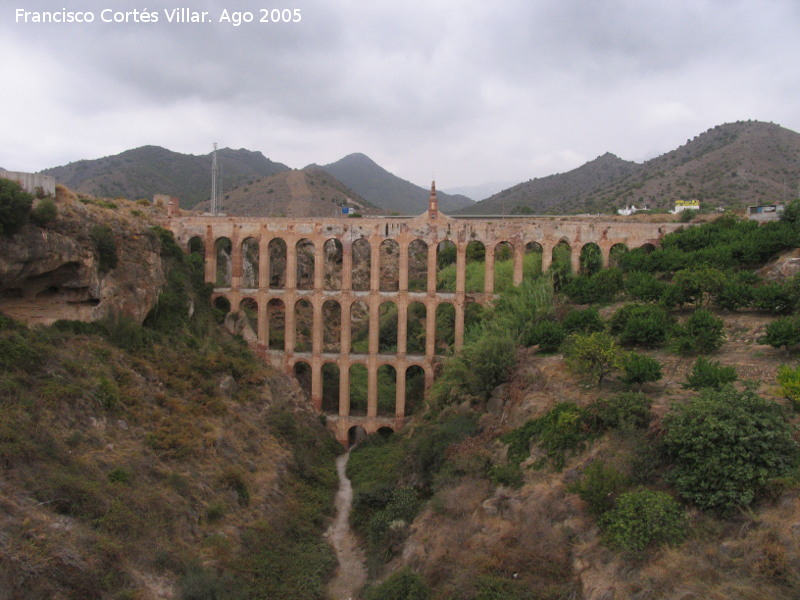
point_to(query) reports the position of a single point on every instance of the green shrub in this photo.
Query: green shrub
(559, 431)
(509, 475)
(776, 298)
(583, 321)
(709, 374)
(725, 446)
(599, 487)
(783, 333)
(45, 212)
(105, 245)
(119, 475)
(641, 324)
(15, 206)
(595, 355)
(400, 585)
(640, 368)
(198, 583)
(625, 410)
(702, 333)
(643, 519)
(549, 335)
(644, 287)
(789, 380)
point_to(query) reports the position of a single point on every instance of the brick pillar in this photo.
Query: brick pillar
(344, 385)
(605, 253)
(211, 257)
(430, 327)
(488, 277)
(402, 324)
(316, 382)
(374, 267)
(461, 267)
(319, 266)
(263, 319)
(291, 265)
(403, 266)
(372, 386)
(519, 254)
(373, 303)
(263, 258)
(547, 257)
(432, 249)
(400, 387)
(346, 334)
(236, 258)
(288, 334)
(347, 266)
(459, 333)
(317, 325)
(575, 259)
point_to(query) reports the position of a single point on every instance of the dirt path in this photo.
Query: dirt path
(351, 574)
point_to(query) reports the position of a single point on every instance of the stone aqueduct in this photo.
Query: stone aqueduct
(424, 233)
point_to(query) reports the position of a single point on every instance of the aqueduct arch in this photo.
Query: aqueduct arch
(322, 268)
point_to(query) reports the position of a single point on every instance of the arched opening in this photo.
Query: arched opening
(503, 267)
(250, 263)
(303, 325)
(591, 259)
(476, 269)
(331, 326)
(387, 335)
(648, 247)
(415, 388)
(359, 327)
(358, 390)
(389, 266)
(616, 253)
(385, 432)
(387, 390)
(305, 264)
(276, 317)
(302, 372)
(561, 267)
(333, 253)
(415, 328)
(445, 327)
(532, 261)
(446, 266)
(248, 311)
(418, 266)
(222, 307)
(361, 265)
(224, 262)
(330, 388)
(355, 435)
(197, 246)
(277, 264)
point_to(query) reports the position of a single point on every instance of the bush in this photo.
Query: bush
(625, 410)
(45, 212)
(641, 324)
(106, 247)
(560, 430)
(400, 585)
(775, 298)
(702, 333)
(15, 206)
(644, 287)
(599, 487)
(789, 380)
(596, 355)
(583, 321)
(549, 335)
(640, 368)
(643, 519)
(725, 446)
(709, 374)
(783, 333)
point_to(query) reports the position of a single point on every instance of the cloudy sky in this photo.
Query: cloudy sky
(469, 90)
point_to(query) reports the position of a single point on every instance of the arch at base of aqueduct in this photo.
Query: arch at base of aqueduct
(427, 231)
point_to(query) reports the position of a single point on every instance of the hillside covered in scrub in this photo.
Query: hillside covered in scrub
(629, 432)
(150, 460)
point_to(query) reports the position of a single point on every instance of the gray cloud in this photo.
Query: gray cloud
(475, 90)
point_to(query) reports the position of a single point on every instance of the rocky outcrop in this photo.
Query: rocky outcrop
(53, 273)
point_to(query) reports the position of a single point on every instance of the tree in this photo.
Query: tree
(709, 374)
(783, 333)
(596, 355)
(640, 368)
(702, 333)
(725, 446)
(15, 206)
(642, 519)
